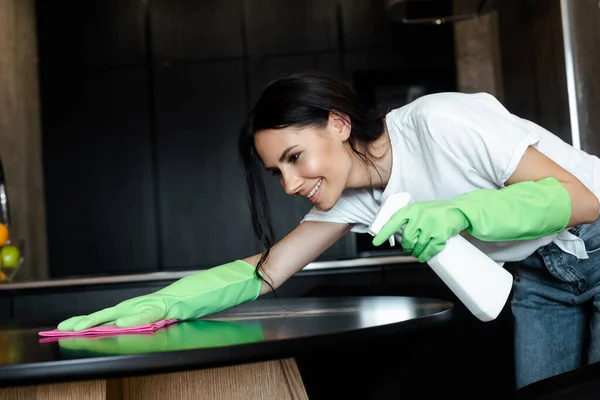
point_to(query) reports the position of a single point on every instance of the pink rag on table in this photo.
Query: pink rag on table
(110, 329)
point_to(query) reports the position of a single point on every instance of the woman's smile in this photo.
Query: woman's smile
(314, 193)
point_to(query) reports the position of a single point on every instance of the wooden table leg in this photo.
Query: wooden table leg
(85, 390)
(278, 379)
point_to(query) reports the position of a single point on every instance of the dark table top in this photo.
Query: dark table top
(266, 329)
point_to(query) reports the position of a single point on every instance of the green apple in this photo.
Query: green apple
(11, 256)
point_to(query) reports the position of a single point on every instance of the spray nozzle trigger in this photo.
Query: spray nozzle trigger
(390, 205)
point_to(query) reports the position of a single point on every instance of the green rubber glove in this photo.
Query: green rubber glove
(188, 298)
(522, 211)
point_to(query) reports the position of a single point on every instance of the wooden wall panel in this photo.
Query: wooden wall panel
(478, 55)
(533, 63)
(20, 136)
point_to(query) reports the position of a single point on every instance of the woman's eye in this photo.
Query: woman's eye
(294, 157)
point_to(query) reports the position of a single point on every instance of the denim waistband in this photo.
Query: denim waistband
(567, 267)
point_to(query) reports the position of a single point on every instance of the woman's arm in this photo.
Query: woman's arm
(297, 249)
(535, 166)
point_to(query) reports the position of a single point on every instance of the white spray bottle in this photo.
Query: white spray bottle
(479, 282)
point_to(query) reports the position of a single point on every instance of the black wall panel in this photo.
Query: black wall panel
(196, 30)
(99, 174)
(92, 33)
(290, 27)
(371, 41)
(5, 309)
(262, 70)
(142, 102)
(205, 219)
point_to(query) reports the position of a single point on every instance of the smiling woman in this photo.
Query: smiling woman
(313, 133)
(509, 186)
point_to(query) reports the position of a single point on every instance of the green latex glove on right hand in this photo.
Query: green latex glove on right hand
(427, 226)
(522, 211)
(192, 297)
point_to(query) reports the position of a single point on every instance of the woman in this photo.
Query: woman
(510, 187)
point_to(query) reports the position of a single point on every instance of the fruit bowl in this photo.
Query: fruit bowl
(13, 252)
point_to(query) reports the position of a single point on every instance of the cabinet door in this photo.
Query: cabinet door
(204, 216)
(98, 173)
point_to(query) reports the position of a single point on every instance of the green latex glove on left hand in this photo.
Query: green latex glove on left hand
(192, 297)
(522, 211)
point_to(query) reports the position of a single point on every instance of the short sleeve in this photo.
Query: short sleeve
(477, 131)
(356, 207)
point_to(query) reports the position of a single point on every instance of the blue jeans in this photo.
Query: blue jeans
(556, 309)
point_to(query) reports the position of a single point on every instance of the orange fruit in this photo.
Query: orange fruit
(3, 234)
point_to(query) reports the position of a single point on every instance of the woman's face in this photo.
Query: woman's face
(313, 162)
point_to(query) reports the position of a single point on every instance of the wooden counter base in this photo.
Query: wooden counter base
(278, 379)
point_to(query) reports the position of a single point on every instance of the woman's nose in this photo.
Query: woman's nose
(291, 183)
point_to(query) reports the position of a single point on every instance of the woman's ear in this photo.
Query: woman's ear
(340, 125)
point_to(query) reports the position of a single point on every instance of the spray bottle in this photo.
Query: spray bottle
(479, 282)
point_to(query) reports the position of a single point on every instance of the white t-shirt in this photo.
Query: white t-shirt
(447, 144)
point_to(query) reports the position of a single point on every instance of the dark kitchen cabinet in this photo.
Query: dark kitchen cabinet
(98, 167)
(372, 42)
(196, 30)
(261, 70)
(91, 33)
(204, 216)
(290, 27)
(99, 174)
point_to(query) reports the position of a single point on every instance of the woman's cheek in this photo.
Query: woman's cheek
(312, 169)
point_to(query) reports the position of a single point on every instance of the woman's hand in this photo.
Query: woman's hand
(136, 311)
(522, 211)
(425, 227)
(192, 297)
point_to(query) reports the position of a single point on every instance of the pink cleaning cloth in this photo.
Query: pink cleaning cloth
(110, 330)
